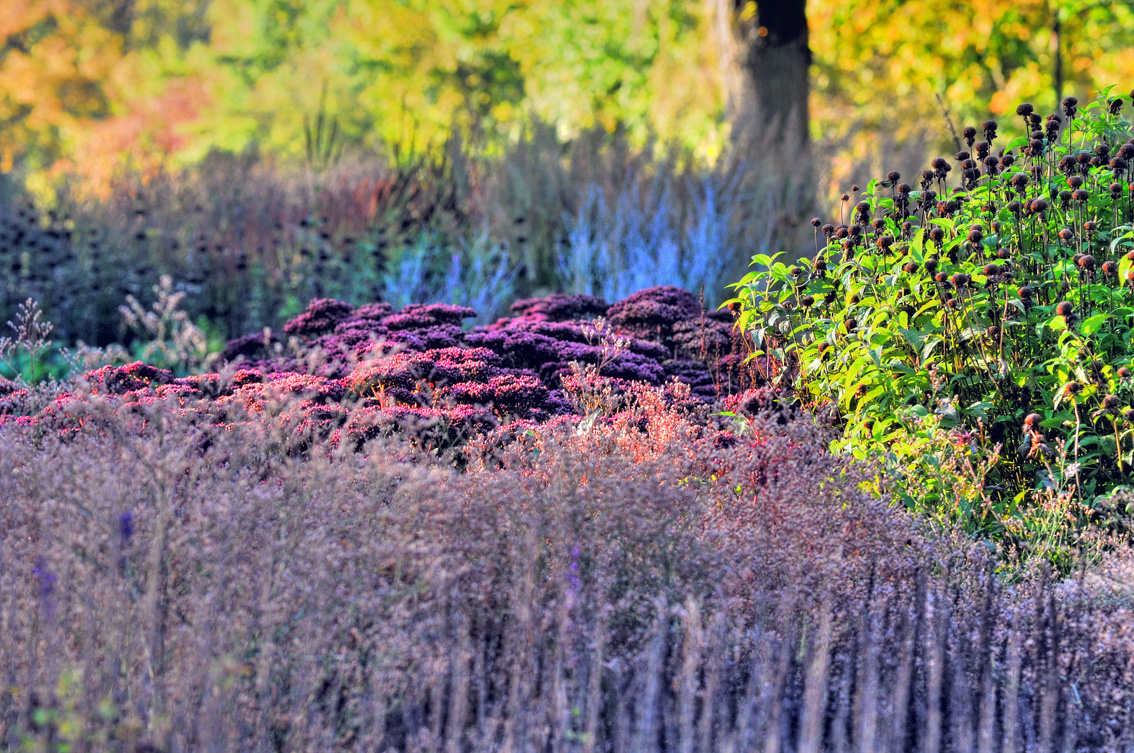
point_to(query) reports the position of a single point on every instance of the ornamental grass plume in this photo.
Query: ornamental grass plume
(672, 583)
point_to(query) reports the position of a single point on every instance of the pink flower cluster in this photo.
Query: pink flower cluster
(360, 372)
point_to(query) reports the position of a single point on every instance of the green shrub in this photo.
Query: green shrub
(973, 332)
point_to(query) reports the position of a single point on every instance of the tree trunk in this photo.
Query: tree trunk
(769, 50)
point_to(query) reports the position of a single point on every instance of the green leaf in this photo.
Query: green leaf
(1094, 323)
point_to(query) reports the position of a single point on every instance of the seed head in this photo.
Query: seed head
(1072, 388)
(1064, 308)
(1110, 403)
(1123, 372)
(1087, 262)
(970, 135)
(1025, 109)
(816, 222)
(1070, 106)
(1033, 420)
(1110, 268)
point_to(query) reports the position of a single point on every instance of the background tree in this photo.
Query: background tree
(766, 43)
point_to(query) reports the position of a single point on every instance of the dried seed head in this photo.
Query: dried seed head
(1123, 372)
(1072, 388)
(1070, 106)
(1025, 109)
(1064, 308)
(1110, 268)
(1110, 403)
(816, 222)
(1033, 420)
(1087, 262)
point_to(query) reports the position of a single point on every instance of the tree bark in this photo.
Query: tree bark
(769, 50)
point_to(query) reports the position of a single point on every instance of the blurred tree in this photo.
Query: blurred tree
(885, 70)
(776, 60)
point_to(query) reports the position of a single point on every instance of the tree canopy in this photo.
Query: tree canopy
(145, 82)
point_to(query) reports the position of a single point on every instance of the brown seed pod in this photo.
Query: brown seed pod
(1064, 308)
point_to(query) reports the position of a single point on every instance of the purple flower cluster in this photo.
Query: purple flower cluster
(360, 372)
(322, 315)
(654, 311)
(560, 307)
